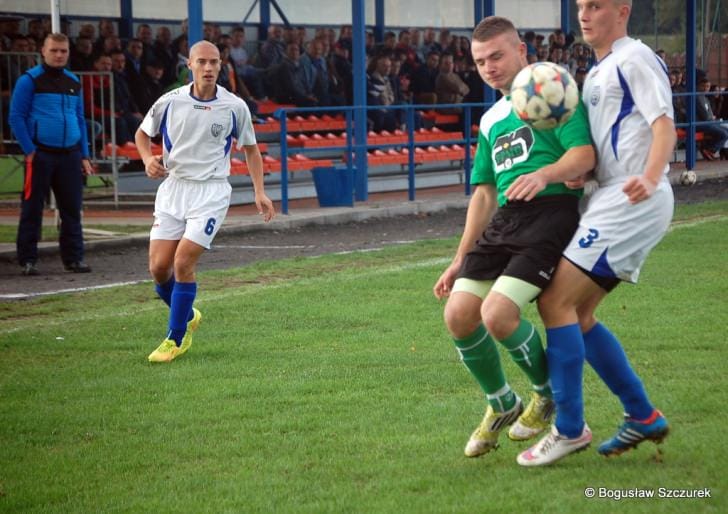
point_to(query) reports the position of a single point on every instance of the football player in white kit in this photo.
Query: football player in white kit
(629, 103)
(198, 123)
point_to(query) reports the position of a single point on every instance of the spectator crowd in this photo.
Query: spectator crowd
(309, 67)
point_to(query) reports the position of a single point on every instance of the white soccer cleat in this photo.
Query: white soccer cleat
(553, 447)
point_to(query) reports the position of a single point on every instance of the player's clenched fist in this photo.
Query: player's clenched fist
(154, 167)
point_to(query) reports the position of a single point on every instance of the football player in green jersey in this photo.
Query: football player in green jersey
(509, 249)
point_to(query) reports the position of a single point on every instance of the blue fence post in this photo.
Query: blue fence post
(126, 20)
(361, 180)
(467, 162)
(194, 21)
(379, 21)
(411, 147)
(284, 163)
(690, 63)
(264, 14)
(349, 150)
(488, 92)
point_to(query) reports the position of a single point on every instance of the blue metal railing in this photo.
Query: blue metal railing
(692, 126)
(351, 141)
(411, 144)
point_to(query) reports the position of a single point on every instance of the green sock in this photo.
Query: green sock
(526, 350)
(480, 356)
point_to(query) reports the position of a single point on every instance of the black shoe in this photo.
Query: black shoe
(77, 267)
(30, 269)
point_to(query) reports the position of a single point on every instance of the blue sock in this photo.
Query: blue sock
(165, 290)
(606, 356)
(565, 356)
(165, 293)
(183, 296)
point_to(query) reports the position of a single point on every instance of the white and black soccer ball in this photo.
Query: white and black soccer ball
(688, 178)
(544, 95)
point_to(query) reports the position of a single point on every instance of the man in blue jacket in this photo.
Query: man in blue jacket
(46, 115)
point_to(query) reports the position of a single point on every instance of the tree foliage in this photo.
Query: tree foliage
(667, 17)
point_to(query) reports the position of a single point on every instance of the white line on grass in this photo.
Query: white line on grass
(698, 221)
(674, 226)
(250, 289)
(25, 296)
(265, 247)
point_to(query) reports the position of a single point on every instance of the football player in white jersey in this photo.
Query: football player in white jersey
(629, 103)
(198, 123)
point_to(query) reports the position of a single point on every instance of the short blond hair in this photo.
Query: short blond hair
(493, 26)
(57, 37)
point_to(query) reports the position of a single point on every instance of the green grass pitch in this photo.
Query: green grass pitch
(329, 384)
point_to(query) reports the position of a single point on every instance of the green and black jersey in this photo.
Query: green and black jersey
(507, 148)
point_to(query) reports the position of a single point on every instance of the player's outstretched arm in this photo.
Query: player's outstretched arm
(255, 168)
(577, 161)
(641, 187)
(480, 210)
(152, 163)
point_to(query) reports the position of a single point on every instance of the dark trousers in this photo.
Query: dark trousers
(717, 136)
(60, 172)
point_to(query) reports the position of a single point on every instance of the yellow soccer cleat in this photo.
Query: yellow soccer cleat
(485, 437)
(535, 419)
(191, 327)
(165, 352)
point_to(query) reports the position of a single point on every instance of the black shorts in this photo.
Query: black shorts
(524, 240)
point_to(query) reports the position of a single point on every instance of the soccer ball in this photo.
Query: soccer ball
(688, 178)
(544, 95)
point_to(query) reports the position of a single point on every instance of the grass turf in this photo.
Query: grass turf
(330, 385)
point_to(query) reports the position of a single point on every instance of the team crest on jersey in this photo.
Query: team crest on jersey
(595, 95)
(510, 149)
(216, 129)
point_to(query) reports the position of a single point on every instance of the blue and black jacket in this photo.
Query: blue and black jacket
(46, 110)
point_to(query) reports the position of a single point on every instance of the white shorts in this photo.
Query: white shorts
(614, 236)
(190, 210)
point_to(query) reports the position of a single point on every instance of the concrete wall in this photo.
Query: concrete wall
(543, 14)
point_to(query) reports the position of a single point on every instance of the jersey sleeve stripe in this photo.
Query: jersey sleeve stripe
(233, 133)
(624, 111)
(663, 66)
(163, 130)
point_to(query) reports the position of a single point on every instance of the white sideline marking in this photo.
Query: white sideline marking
(20, 296)
(252, 289)
(265, 247)
(206, 298)
(674, 226)
(25, 296)
(694, 223)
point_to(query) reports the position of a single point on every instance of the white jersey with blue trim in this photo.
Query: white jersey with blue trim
(197, 135)
(624, 94)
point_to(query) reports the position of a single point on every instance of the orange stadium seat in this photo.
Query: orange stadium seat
(269, 107)
(682, 134)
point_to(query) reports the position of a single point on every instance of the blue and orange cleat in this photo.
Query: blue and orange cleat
(633, 432)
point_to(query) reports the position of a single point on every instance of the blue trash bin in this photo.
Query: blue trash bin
(334, 186)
